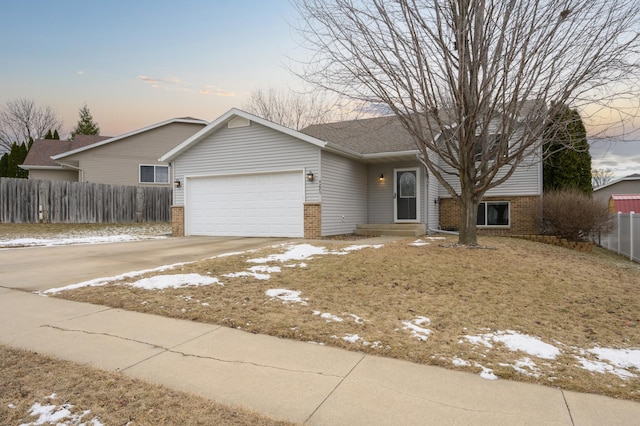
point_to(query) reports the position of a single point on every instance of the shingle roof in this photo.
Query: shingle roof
(366, 136)
(43, 149)
(624, 203)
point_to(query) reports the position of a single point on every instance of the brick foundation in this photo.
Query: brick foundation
(312, 220)
(525, 214)
(177, 221)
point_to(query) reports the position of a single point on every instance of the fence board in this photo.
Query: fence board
(30, 201)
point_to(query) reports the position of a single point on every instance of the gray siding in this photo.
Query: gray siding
(525, 180)
(381, 199)
(433, 207)
(251, 149)
(119, 162)
(344, 194)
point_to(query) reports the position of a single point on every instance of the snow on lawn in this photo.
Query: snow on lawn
(515, 341)
(328, 316)
(287, 296)
(160, 282)
(63, 241)
(418, 332)
(307, 251)
(419, 243)
(59, 415)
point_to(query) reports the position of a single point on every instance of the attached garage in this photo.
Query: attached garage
(251, 205)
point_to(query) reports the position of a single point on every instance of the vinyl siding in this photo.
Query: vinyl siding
(622, 187)
(525, 180)
(119, 162)
(251, 149)
(381, 199)
(344, 194)
(433, 208)
(63, 175)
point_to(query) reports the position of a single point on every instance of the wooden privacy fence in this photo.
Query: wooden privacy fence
(31, 201)
(625, 238)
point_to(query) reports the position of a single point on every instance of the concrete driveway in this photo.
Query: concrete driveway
(42, 268)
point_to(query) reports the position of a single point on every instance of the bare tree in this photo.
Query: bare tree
(21, 120)
(601, 177)
(289, 108)
(475, 82)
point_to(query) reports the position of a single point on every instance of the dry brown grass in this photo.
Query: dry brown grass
(58, 230)
(28, 378)
(569, 299)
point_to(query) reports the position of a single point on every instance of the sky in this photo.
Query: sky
(136, 63)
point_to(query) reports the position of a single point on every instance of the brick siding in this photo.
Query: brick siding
(524, 211)
(312, 220)
(177, 221)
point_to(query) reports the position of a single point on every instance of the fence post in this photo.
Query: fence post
(631, 235)
(618, 231)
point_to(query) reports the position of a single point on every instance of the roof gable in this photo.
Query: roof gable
(187, 120)
(233, 115)
(633, 177)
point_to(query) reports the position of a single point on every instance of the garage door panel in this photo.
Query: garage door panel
(247, 205)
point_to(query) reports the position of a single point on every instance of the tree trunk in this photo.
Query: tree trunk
(468, 217)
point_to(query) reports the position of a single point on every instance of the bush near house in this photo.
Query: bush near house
(573, 215)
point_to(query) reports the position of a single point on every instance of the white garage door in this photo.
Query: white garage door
(257, 205)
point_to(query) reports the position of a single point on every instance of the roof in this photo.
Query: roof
(635, 176)
(42, 150)
(221, 121)
(624, 203)
(366, 136)
(187, 120)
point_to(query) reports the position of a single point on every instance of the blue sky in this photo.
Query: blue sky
(135, 63)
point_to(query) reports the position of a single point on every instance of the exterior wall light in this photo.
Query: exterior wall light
(381, 178)
(310, 176)
(177, 183)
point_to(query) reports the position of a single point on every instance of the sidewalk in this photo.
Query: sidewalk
(286, 379)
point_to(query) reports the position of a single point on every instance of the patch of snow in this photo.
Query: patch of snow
(357, 319)
(64, 241)
(419, 243)
(12, 406)
(458, 362)
(515, 341)
(623, 358)
(329, 317)
(418, 332)
(352, 338)
(603, 367)
(55, 415)
(287, 296)
(263, 277)
(160, 282)
(294, 252)
(525, 366)
(486, 373)
(436, 238)
(362, 246)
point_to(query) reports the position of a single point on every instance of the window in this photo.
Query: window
(493, 213)
(494, 141)
(154, 174)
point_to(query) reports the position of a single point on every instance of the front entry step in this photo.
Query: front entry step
(395, 229)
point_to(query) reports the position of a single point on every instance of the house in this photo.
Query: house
(42, 167)
(626, 185)
(127, 159)
(624, 203)
(243, 175)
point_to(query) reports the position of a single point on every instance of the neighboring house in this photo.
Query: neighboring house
(243, 175)
(626, 185)
(127, 159)
(40, 164)
(624, 203)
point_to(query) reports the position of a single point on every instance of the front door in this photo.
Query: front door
(406, 195)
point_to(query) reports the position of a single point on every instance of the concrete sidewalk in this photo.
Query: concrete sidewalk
(286, 379)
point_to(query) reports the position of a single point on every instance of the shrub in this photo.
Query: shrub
(574, 215)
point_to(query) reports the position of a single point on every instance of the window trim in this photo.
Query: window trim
(155, 167)
(508, 203)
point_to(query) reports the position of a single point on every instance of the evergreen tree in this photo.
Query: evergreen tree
(85, 125)
(56, 136)
(567, 163)
(4, 165)
(11, 160)
(48, 135)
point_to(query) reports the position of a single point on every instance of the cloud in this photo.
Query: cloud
(174, 83)
(212, 90)
(80, 72)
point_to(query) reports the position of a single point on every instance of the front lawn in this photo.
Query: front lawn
(517, 310)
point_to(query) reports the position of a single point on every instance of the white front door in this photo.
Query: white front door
(406, 195)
